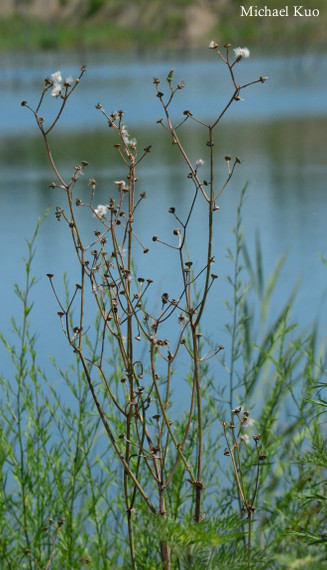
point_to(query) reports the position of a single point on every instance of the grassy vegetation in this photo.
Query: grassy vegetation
(61, 502)
(104, 25)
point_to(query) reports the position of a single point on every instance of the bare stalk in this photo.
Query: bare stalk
(109, 276)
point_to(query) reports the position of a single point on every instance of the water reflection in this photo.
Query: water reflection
(295, 88)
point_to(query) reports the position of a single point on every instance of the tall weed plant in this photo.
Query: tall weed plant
(122, 476)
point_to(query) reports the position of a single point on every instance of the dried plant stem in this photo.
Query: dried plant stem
(124, 318)
(53, 548)
(249, 537)
(196, 376)
(210, 230)
(167, 422)
(239, 486)
(111, 436)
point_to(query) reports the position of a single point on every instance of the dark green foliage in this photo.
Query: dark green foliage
(93, 6)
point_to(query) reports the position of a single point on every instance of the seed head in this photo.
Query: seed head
(241, 52)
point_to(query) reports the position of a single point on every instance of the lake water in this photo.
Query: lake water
(278, 130)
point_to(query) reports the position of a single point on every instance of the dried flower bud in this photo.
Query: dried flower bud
(170, 75)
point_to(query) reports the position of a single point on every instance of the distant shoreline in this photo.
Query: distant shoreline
(18, 33)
